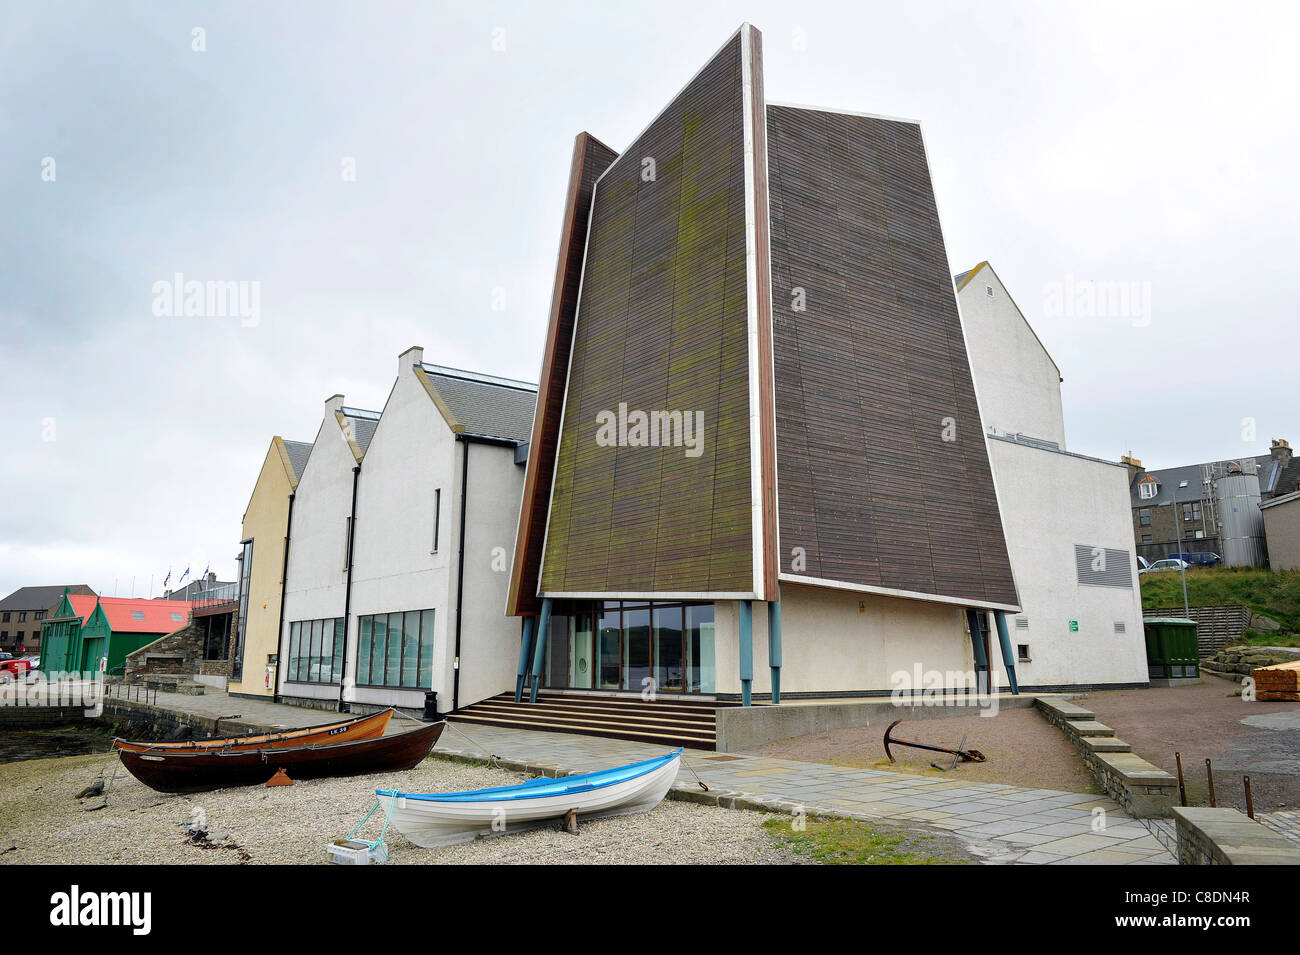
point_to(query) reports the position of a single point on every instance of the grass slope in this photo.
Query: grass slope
(1272, 593)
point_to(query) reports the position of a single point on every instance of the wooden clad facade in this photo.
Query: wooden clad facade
(591, 157)
(885, 480)
(663, 325)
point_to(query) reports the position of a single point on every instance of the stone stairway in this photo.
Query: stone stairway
(673, 722)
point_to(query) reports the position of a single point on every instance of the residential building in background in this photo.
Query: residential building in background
(262, 555)
(1213, 507)
(1282, 526)
(23, 613)
(1067, 515)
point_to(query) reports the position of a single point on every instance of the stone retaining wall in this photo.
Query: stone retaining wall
(1145, 791)
(1226, 837)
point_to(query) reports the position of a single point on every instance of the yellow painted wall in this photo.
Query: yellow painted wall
(265, 522)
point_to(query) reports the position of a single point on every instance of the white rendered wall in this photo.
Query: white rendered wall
(1050, 502)
(394, 567)
(835, 641)
(315, 584)
(1018, 384)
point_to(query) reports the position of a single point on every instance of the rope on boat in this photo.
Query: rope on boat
(493, 758)
(694, 773)
(374, 846)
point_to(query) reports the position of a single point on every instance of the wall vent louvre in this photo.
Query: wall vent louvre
(1103, 566)
(1119, 626)
(1022, 623)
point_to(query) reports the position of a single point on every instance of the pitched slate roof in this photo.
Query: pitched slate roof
(363, 425)
(1169, 480)
(298, 451)
(135, 615)
(486, 405)
(39, 598)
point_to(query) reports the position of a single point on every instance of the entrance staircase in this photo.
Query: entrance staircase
(674, 722)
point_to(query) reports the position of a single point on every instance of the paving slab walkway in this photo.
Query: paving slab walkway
(1001, 824)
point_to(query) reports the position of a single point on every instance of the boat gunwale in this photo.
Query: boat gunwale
(216, 743)
(267, 752)
(529, 788)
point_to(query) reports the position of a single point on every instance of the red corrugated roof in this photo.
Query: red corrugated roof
(122, 613)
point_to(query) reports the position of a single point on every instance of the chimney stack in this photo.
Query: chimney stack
(408, 359)
(1134, 466)
(1281, 451)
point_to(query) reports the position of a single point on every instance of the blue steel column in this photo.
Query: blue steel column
(525, 657)
(977, 643)
(1008, 658)
(746, 651)
(539, 652)
(774, 644)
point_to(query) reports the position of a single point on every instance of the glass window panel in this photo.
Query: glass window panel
(582, 666)
(611, 633)
(363, 650)
(380, 648)
(636, 648)
(699, 647)
(393, 658)
(410, 647)
(557, 650)
(669, 663)
(316, 651)
(425, 676)
(294, 640)
(336, 670)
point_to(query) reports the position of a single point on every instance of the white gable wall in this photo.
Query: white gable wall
(394, 566)
(1018, 384)
(315, 584)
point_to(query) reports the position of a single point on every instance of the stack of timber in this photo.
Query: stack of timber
(1278, 682)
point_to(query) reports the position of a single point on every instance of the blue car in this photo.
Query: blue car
(1199, 559)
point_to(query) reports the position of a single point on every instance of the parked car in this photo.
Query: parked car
(1143, 564)
(1202, 558)
(1170, 563)
(13, 668)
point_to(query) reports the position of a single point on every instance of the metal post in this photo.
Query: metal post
(1178, 529)
(1182, 788)
(774, 644)
(746, 651)
(977, 644)
(1250, 800)
(539, 651)
(525, 657)
(1209, 775)
(1008, 657)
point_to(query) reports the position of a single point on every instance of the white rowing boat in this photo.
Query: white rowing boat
(442, 819)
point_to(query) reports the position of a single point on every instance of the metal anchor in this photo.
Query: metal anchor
(959, 754)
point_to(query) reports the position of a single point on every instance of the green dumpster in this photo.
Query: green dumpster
(1172, 652)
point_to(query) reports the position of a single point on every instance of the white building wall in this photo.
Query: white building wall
(1019, 385)
(1050, 502)
(315, 583)
(835, 641)
(489, 639)
(394, 565)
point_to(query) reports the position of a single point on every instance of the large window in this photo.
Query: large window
(631, 645)
(316, 650)
(1144, 516)
(396, 649)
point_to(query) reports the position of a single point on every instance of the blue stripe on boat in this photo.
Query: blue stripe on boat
(542, 786)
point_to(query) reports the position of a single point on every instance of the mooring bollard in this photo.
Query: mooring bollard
(1182, 789)
(1250, 801)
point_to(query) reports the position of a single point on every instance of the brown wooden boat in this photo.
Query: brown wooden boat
(338, 731)
(173, 771)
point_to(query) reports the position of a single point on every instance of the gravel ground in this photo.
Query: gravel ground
(1021, 747)
(1208, 720)
(41, 821)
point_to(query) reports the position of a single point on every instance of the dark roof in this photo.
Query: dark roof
(486, 405)
(363, 425)
(298, 452)
(40, 598)
(1169, 480)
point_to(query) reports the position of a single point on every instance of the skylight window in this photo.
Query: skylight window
(178, 618)
(137, 614)
(1182, 484)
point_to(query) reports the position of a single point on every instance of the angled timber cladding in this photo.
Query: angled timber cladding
(827, 422)
(663, 325)
(590, 158)
(874, 395)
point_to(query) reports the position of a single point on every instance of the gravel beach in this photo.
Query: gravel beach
(42, 822)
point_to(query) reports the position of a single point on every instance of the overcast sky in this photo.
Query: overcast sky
(1148, 146)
